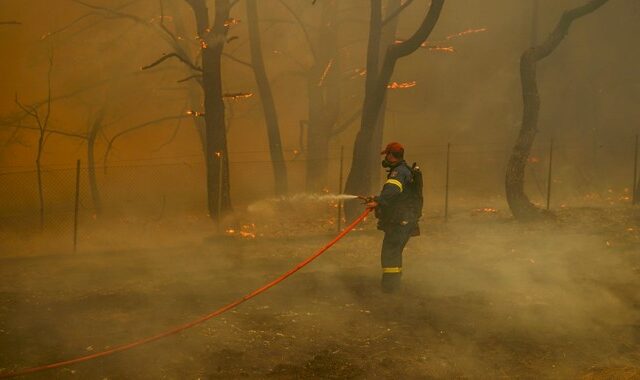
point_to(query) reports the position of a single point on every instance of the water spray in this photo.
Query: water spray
(300, 198)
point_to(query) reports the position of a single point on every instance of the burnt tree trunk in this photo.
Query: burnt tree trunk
(323, 88)
(519, 203)
(266, 98)
(212, 40)
(365, 153)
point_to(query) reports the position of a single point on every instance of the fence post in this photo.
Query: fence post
(549, 174)
(340, 188)
(75, 216)
(634, 188)
(446, 186)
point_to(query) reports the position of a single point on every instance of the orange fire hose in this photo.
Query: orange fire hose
(188, 325)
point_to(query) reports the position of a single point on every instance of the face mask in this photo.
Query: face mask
(386, 163)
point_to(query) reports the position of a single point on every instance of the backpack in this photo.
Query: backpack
(416, 200)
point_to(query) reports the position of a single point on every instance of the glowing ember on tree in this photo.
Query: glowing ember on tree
(441, 49)
(237, 95)
(195, 113)
(433, 47)
(465, 32)
(359, 72)
(401, 85)
(231, 21)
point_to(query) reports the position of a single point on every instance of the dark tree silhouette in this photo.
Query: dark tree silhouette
(519, 203)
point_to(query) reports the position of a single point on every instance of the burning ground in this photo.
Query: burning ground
(484, 297)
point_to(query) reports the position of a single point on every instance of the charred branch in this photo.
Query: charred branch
(112, 12)
(234, 59)
(133, 129)
(173, 55)
(198, 77)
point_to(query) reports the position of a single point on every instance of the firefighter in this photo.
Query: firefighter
(396, 213)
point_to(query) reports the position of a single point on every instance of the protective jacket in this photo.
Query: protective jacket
(394, 205)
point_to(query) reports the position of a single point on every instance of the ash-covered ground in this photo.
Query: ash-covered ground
(483, 297)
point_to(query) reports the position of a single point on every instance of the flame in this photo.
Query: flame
(401, 85)
(325, 72)
(246, 231)
(237, 95)
(484, 210)
(203, 43)
(465, 32)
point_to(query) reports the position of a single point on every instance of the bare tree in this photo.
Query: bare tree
(519, 203)
(359, 180)
(42, 122)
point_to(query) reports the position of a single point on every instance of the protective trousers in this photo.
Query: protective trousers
(396, 237)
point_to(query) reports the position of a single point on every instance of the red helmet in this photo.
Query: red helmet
(395, 148)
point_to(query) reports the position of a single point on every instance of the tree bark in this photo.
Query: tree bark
(359, 180)
(266, 98)
(519, 203)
